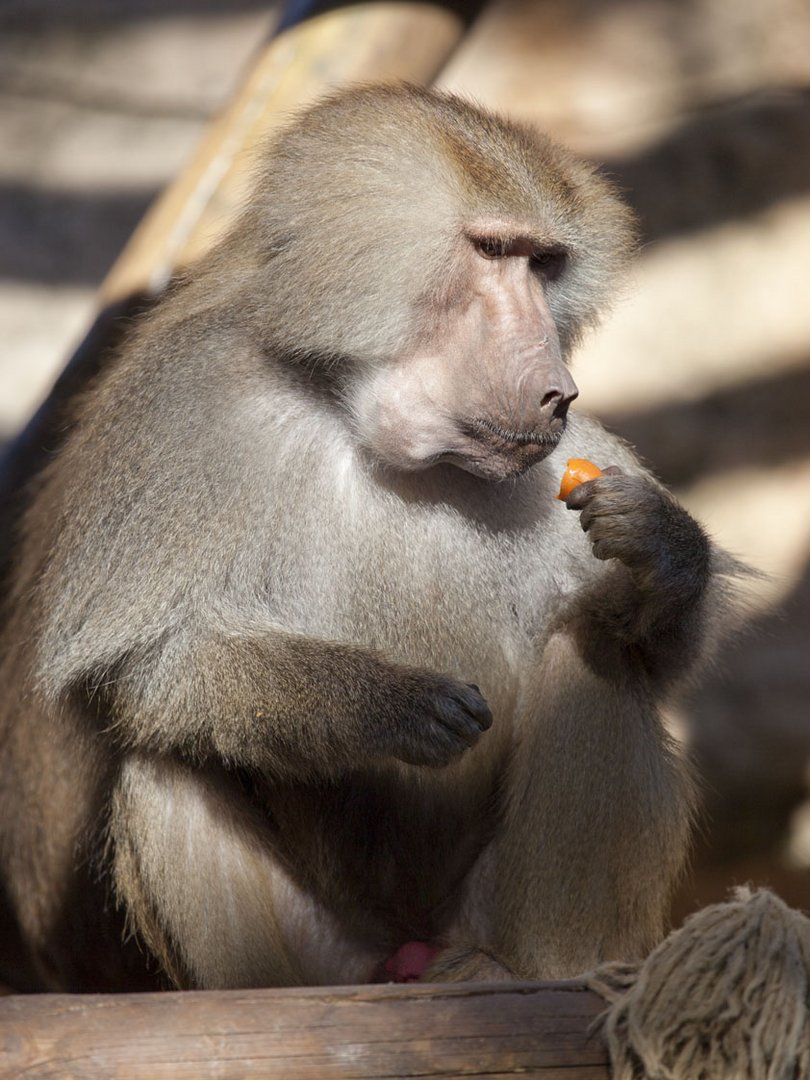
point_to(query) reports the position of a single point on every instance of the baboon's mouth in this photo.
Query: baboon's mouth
(499, 453)
(487, 431)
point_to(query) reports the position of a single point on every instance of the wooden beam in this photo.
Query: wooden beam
(448, 1030)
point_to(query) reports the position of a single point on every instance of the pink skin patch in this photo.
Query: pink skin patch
(409, 962)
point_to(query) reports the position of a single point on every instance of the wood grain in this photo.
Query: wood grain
(464, 1030)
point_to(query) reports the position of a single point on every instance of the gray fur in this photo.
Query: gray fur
(237, 656)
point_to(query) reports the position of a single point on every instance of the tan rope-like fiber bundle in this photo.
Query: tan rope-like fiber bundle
(725, 997)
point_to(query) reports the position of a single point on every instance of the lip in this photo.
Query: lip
(498, 453)
(491, 434)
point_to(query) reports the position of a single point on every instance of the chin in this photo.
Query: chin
(498, 455)
(495, 463)
(501, 466)
(495, 471)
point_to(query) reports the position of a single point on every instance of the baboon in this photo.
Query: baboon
(304, 668)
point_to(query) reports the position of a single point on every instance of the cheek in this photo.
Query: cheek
(401, 415)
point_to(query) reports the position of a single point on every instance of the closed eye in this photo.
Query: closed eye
(550, 262)
(491, 248)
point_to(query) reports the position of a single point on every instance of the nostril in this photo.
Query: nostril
(559, 391)
(557, 402)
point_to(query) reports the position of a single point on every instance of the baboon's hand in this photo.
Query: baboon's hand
(438, 718)
(631, 519)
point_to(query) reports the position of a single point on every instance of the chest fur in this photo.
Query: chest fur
(457, 584)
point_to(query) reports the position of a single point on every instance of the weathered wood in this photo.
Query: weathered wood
(470, 1030)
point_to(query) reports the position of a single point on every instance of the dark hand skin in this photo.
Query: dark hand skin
(667, 554)
(446, 718)
(316, 708)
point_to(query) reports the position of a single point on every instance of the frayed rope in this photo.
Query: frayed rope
(725, 997)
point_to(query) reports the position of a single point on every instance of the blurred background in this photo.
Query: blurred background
(700, 109)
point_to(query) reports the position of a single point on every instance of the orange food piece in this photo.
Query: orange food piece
(579, 471)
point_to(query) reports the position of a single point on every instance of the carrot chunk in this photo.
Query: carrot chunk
(579, 471)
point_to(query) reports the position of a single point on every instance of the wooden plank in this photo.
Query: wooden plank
(463, 1030)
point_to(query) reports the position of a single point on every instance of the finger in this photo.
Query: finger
(586, 518)
(465, 712)
(605, 549)
(602, 508)
(476, 705)
(460, 724)
(581, 495)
